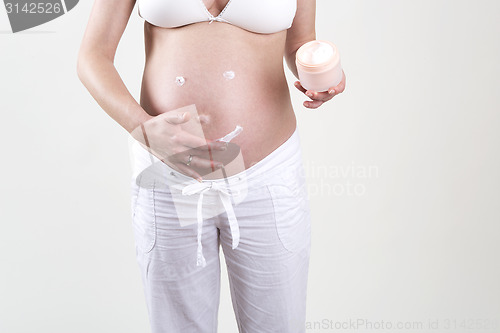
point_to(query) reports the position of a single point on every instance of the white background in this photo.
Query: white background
(403, 173)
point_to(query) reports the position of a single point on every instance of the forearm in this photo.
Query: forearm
(290, 61)
(99, 75)
(291, 54)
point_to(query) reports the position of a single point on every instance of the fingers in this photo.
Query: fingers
(299, 86)
(196, 163)
(341, 86)
(326, 95)
(175, 118)
(188, 171)
(321, 96)
(318, 98)
(217, 145)
(188, 140)
(203, 163)
(313, 104)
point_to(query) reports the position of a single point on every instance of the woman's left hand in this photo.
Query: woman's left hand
(318, 98)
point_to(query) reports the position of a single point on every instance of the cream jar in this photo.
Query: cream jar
(318, 65)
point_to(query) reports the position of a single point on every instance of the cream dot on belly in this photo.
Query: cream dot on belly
(203, 119)
(179, 80)
(229, 75)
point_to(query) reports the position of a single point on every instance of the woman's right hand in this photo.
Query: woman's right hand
(164, 137)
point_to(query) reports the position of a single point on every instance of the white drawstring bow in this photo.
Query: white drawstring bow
(225, 197)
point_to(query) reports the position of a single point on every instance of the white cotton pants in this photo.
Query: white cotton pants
(261, 219)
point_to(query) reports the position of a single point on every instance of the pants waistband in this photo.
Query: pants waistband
(288, 153)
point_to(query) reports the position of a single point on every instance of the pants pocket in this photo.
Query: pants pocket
(143, 217)
(291, 214)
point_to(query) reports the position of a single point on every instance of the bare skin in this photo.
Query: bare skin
(257, 99)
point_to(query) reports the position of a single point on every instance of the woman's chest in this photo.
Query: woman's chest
(215, 7)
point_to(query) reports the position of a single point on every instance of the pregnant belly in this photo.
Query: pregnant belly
(231, 76)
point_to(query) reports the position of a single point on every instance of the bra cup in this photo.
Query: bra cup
(261, 16)
(170, 14)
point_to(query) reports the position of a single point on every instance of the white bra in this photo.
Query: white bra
(261, 16)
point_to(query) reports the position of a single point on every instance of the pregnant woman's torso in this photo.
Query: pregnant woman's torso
(207, 55)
